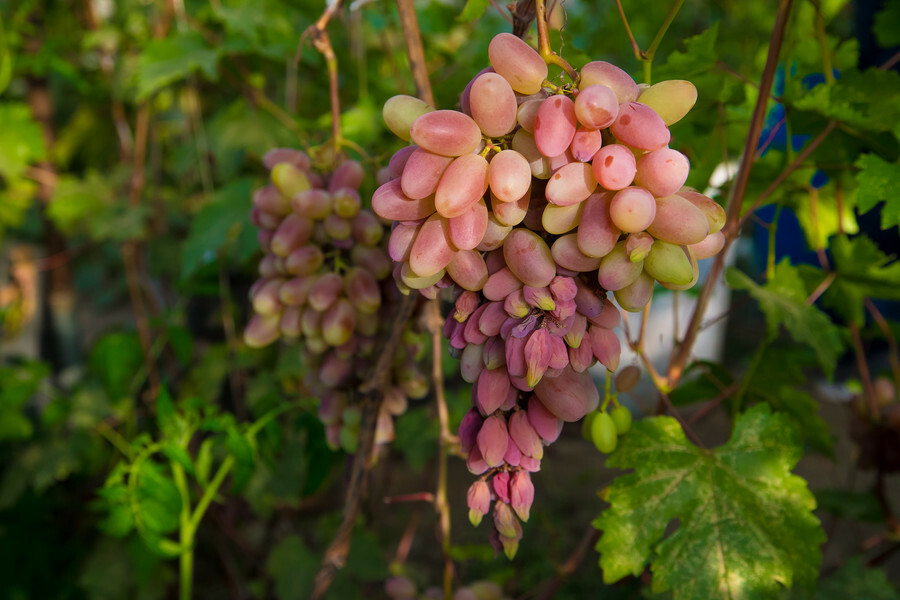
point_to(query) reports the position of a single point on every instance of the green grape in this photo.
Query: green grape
(603, 433)
(621, 416)
(349, 439)
(586, 424)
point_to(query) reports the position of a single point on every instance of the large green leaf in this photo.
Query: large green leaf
(173, 58)
(783, 300)
(867, 100)
(863, 271)
(746, 526)
(887, 24)
(879, 181)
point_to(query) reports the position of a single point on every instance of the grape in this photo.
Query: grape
(554, 125)
(614, 167)
(501, 284)
(297, 158)
(509, 176)
(586, 143)
(432, 250)
(310, 322)
(289, 179)
(461, 185)
(373, 259)
(325, 291)
(262, 330)
(366, 228)
(389, 202)
(293, 232)
(597, 234)
(637, 246)
(632, 209)
(710, 246)
(494, 235)
(338, 322)
(529, 258)
(511, 213)
(571, 184)
(621, 416)
(662, 172)
(294, 292)
(468, 270)
(346, 202)
(518, 63)
(715, 214)
(561, 219)
(422, 172)
(669, 263)
(304, 260)
(671, 100)
(627, 379)
(446, 132)
(399, 112)
(523, 143)
(289, 325)
(555, 163)
(695, 272)
(567, 255)
(611, 76)
(492, 440)
(269, 199)
(415, 282)
(337, 227)
(491, 390)
(677, 221)
(265, 298)
(603, 433)
(596, 106)
(527, 112)
(398, 161)
(569, 396)
(523, 434)
(616, 270)
(362, 290)
(464, 103)
(639, 127)
(493, 104)
(467, 230)
(313, 204)
(348, 175)
(401, 241)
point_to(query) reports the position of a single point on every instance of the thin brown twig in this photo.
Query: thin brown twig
(414, 50)
(821, 288)
(638, 54)
(863, 366)
(523, 13)
(683, 349)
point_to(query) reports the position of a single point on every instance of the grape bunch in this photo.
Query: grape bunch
(325, 281)
(532, 203)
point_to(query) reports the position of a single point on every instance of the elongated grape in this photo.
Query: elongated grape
(269, 199)
(494, 234)
(523, 143)
(632, 209)
(509, 176)
(695, 272)
(567, 255)
(375, 260)
(337, 227)
(678, 221)
(529, 258)
(366, 228)
(468, 229)
(346, 202)
(325, 291)
(554, 125)
(290, 322)
(596, 106)
(401, 240)
(569, 396)
(614, 167)
(304, 260)
(561, 219)
(362, 289)
(349, 174)
(511, 213)
(463, 183)
(604, 73)
(527, 112)
(571, 184)
(710, 246)
(389, 202)
(399, 112)
(597, 234)
(446, 132)
(398, 161)
(604, 433)
(468, 270)
(662, 172)
(616, 270)
(414, 282)
(262, 330)
(501, 284)
(289, 179)
(586, 143)
(493, 104)
(464, 98)
(560, 160)
(669, 263)
(715, 214)
(432, 250)
(639, 127)
(338, 323)
(265, 298)
(422, 173)
(671, 100)
(293, 232)
(518, 63)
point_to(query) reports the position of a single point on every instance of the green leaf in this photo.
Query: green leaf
(863, 271)
(168, 60)
(292, 567)
(18, 385)
(783, 300)
(220, 224)
(474, 9)
(116, 358)
(158, 502)
(177, 454)
(852, 580)
(697, 59)
(879, 181)
(746, 526)
(244, 458)
(887, 25)
(6, 59)
(867, 100)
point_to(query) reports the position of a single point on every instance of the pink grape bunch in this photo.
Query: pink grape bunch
(325, 283)
(532, 203)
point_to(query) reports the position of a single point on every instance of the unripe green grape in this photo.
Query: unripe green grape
(349, 439)
(289, 179)
(621, 416)
(604, 433)
(400, 111)
(586, 424)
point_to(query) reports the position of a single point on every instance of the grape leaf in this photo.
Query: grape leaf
(783, 300)
(878, 181)
(474, 9)
(887, 25)
(863, 271)
(852, 580)
(167, 60)
(746, 525)
(861, 99)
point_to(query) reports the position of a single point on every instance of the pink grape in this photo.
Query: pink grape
(596, 106)
(389, 202)
(494, 234)
(639, 127)
(662, 172)
(710, 246)
(632, 209)
(518, 63)
(501, 284)
(527, 112)
(401, 241)
(678, 221)
(398, 161)
(468, 270)
(554, 125)
(569, 396)
(349, 174)
(614, 167)
(616, 270)
(446, 132)
(464, 104)
(304, 260)
(523, 143)
(509, 176)
(586, 143)
(265, 299)
(597, 234)
(511, 213)
(432, 250)
(635, 296)
(567, 255)
(493, 105)
(422, 173)
(461, 185)
(571, 184)
(325, 291)
(399, 112)
(560, 160)
(604, 73)
(293, 232)
(714, 213)
(338, 323)
(367, 230)
(468, 229)
(270, 200)
(297, 158)
(529, 258)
